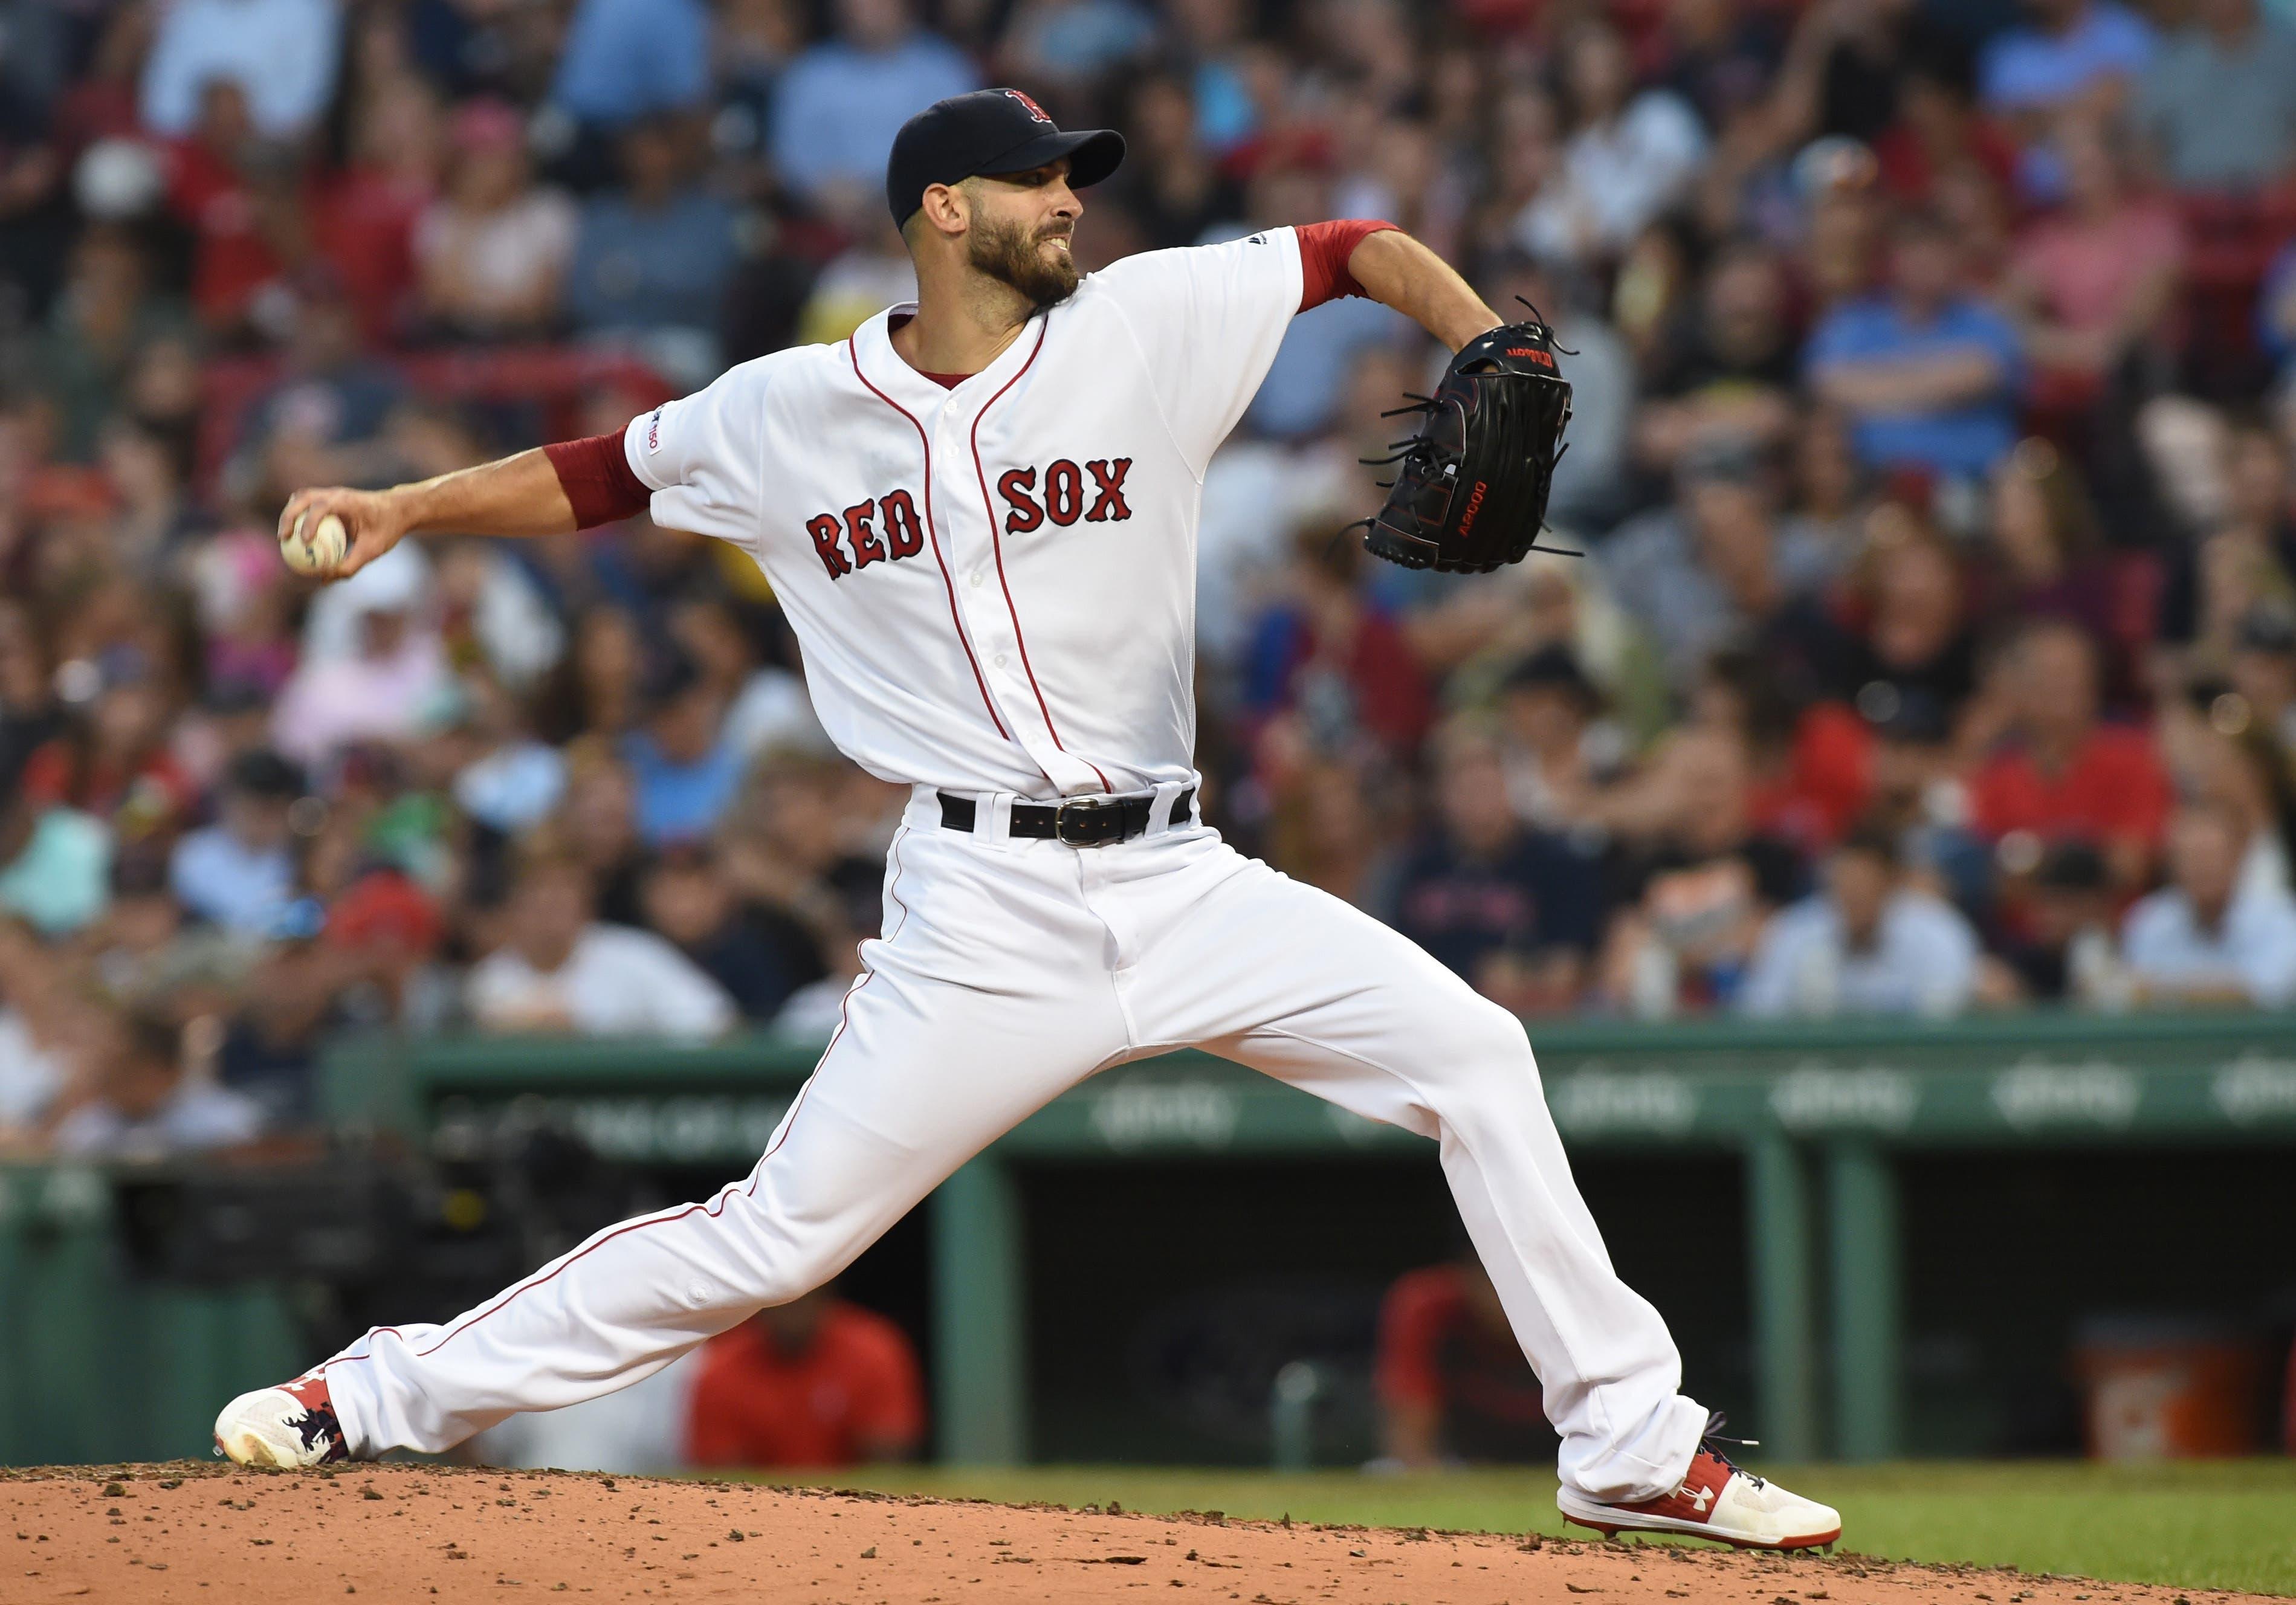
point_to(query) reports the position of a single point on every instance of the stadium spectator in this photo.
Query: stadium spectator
(840, 102)
(2204, 938)
(1559, 750)
(2063, 773)
(35, 1064)
(2091, 282)
(282, 54)
(1627, 156)
(114, 762)
(1177, 194)
(767, 706)
(560, 971)
(685, 767)
(492, 249)
(1927, 372)
(1329, 656)
(1450, 1379)
(1715, 567)
(28, 713)
(689, 900)
(2073, 56)
(1938, 132)
(135, 1098)
(145, 954)
(391, 931)
(106, 315)
(1868, 944)
(2069, 951)
(239, 872)
(1299, 397)
(817, 1381)
(393, 683)
(653, 259)
(1070, 44)
(1725, 379)
(1911, 632)
(1517, 911)
(625, 59)
(2046, 541)
(797, 848)
(2218, 100)
(505, 778)
(597, 826)
(2264, 670)
(322, 418)
(2245, 555)
(367, 214)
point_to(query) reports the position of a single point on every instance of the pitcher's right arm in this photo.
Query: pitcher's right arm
(549, 490)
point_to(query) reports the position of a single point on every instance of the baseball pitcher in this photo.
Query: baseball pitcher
(980, 515)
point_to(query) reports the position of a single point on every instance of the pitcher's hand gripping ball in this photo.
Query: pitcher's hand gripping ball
(315, 545)
(1471, 494)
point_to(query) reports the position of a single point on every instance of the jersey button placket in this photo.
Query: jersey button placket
(974, 551)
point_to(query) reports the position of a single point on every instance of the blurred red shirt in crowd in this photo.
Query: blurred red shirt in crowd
(1451, 1379)
(814, 1382)
(2067, 774)
(2113, 790)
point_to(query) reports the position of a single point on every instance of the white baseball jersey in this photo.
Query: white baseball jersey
(994, 585)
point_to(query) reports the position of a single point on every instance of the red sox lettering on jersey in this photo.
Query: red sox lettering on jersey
(851, 540)
(993, 583)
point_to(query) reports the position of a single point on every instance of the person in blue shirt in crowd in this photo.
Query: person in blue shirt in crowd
(2066, 56)
(1927, 372)
(842, 101)
(687, 773)
(628, 58)
(652, 259)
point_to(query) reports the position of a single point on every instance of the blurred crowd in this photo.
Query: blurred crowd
(1932, 647)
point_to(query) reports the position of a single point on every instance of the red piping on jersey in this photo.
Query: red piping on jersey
(853, 352)
(997, 539)
(715, 1206)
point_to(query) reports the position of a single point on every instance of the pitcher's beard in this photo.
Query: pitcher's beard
(1009, 254)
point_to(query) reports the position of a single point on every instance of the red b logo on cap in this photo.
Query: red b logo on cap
(1033, 109)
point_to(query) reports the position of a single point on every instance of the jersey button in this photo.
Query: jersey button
(1000, 661)
(976, 577)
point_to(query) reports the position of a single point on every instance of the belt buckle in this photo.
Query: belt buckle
(1099, 821)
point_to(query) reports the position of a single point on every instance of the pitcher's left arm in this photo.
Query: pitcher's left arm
(1391, 267)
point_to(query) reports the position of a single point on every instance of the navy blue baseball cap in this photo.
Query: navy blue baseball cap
(983, 134)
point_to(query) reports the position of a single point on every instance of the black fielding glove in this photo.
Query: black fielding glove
(1471, 494)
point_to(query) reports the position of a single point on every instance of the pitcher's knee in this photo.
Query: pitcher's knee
(784, 1265)
(1479, 1046)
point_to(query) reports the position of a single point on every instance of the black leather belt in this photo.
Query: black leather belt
(1082, 822)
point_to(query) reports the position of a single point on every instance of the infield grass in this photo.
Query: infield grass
(2217, 1524)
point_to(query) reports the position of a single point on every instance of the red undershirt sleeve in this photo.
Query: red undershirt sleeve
(1324, 249)
(596, 478)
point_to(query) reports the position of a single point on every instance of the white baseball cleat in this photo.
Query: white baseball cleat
(1715, 1500)
(289, 1427)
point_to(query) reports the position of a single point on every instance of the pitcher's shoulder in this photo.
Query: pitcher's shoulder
(1173, 271)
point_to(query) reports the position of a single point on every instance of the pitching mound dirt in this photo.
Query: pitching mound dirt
(187, 1532)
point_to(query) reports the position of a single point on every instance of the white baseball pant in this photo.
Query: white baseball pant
(1010, 970)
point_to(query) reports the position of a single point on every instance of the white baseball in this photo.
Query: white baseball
(315, 548)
